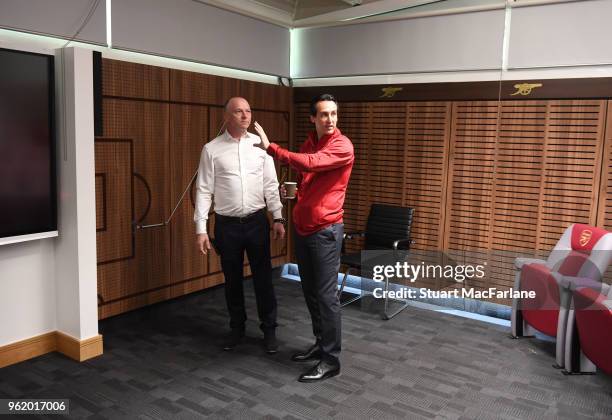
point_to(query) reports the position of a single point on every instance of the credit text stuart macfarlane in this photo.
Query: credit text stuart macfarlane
(469, 293)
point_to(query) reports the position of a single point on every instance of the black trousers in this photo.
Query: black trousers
(318, 257)
(232, 238)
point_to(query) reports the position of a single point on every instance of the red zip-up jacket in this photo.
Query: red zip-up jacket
(324, 168)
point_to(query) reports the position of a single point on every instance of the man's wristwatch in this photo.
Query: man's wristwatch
(281, 220)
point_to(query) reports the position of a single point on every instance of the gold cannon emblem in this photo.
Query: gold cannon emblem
(389, 92)
(525, 88)
(585, 237)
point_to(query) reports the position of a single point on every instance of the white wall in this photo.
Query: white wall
(567, 34)
(196, 31)
(51, 284)
(468, 41)
(27, 290)
(561, 40)
(60, 18)
(183, 29)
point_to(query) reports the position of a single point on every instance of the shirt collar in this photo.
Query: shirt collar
(324, 139)
(228, 136)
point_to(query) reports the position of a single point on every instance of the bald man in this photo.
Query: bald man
(242, 180)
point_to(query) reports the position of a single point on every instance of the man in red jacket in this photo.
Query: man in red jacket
(324, 166)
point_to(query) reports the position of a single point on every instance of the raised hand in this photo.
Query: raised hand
(265, 143)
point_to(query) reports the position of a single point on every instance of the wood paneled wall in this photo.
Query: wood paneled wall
(489, 180)
(156, 121)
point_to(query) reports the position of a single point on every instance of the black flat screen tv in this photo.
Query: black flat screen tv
(28, 201)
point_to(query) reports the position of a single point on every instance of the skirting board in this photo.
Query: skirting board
(79, 350)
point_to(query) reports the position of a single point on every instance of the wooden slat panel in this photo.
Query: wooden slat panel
(427, 146)
(100, 206)
(386, 152)
(188, 134)
(146, 124)
(573, 147)
(131, 80)
(519, 161)
(206, 89)
(168, 132)
(542, 166)
(604, 215)
(471, 174)
(114, 211)
(354, 122)
(276, 125)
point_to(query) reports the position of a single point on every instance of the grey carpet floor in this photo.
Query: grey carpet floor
(165, 362)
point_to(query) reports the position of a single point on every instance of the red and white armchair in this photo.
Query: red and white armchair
(582, 255)
(588, 340)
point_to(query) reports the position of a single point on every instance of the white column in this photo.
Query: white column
(76, 283)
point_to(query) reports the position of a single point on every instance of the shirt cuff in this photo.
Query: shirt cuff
(201, 226)
(277, 214)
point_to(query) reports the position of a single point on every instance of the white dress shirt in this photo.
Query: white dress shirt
(241, 178)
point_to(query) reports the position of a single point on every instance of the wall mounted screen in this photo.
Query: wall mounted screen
(28, 201)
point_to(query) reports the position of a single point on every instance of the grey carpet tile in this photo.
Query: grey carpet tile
(166, 362)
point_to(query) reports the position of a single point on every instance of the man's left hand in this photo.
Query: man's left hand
(265, 143)
(279, 230)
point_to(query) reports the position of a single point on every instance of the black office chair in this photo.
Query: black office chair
(387, 229)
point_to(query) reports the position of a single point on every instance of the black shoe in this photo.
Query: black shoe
(270, 343)
(312, 353)
(321, 371)
(233, 339)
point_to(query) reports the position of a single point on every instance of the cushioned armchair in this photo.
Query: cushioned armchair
(588, 339)
(387, 229)
(582, 255)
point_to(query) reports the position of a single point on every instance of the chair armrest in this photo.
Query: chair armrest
(573, 283)
(399, 242)
(520, 262)
(352, 235)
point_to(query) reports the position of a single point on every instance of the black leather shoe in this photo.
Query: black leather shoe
(320, 372)
(270, 343)
(233, 339)
(312, 353)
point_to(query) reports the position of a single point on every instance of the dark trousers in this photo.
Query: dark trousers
(232, 238)
(318, 257)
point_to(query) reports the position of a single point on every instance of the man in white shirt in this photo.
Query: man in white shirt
(242, 179)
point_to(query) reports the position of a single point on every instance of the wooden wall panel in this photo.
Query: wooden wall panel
(385, 167)
(215, 128)
(354, 120)
(426, 152)
(604, 213)
(166, 116)
(490, 180)
(471, 175)
(146, 124)
(132, 80)
(188, 134)
(401, 150)
(574, 144)
(277, 128)
(207, 89)
(519, 162)
(114, 204)
(201, 88)
(540, 167)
